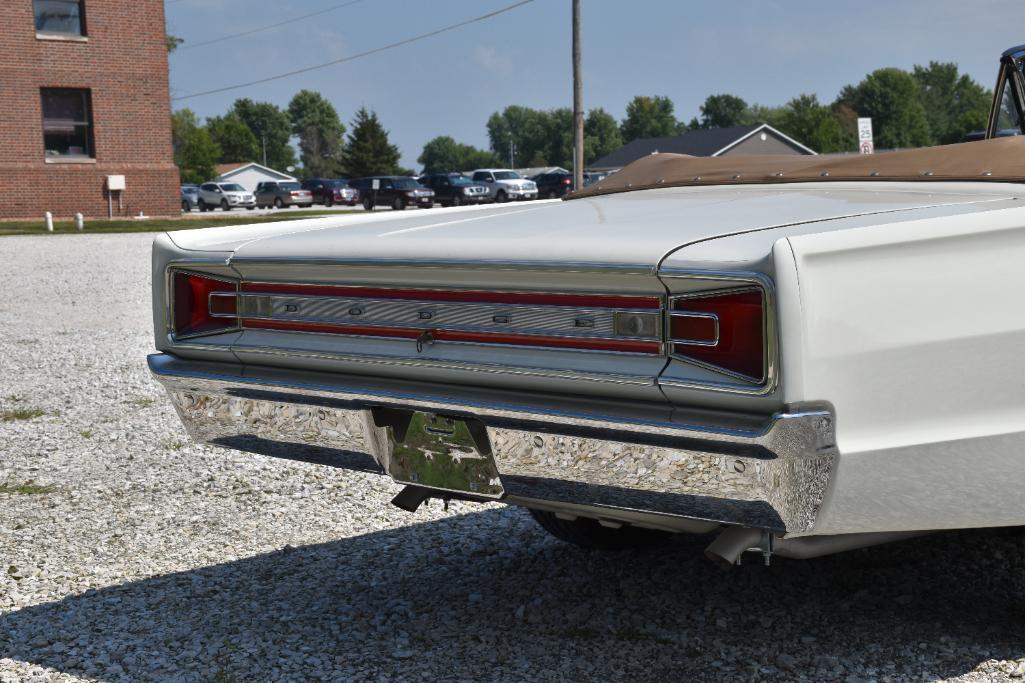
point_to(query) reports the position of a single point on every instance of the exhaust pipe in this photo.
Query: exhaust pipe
(733, 542)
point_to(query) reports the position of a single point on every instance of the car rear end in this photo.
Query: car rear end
(343, 194)
(293, 194)
(560, 383)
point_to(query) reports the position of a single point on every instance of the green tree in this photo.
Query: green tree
(891, 97)
(723, 111)
(367, 150)
(195, 152)
(315, 122)
(954, 103)
(559, 132)
(172, 42)
(760, 113)
(814, 125)
(601, 135)
(648, 117)
(272, 129)
(233, 136)
(522, 133)
(444, 154)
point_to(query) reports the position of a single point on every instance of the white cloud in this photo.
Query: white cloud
(492, 60)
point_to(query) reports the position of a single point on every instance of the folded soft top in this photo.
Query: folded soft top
(999, 159)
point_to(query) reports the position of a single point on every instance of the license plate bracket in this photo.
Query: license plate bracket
(450, 453)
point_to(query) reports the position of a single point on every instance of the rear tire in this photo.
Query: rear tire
(224, 205)
(399, 204)
(588, 533)
(501, 197)
(368, 203)
(552, 194)
(457, 200)
(186, 207)
(278, 204)
(328, 200)
(202, 206)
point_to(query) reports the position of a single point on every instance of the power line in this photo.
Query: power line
(190, 46)
(390, 46)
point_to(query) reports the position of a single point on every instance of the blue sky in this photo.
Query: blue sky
(765, 52)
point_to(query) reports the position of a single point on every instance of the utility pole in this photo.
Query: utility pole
(578, 104)
(512, 151)
(264, 139)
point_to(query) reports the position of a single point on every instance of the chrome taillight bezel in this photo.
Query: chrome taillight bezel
(707, 284)
(177, 335)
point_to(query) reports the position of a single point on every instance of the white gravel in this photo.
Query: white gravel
(155, 559)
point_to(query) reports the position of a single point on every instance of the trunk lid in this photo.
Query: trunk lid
(630, 229)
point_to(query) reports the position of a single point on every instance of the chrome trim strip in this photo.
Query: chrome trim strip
(772, 476)
(548, 321)
(692, 342)
(474, 264)
(466, 366)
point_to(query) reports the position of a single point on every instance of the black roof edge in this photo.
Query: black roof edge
(1011, 51)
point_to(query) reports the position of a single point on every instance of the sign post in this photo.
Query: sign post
(865, 142)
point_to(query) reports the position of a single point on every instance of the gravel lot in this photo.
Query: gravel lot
(135, 555)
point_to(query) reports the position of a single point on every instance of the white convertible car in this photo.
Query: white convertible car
(801, 354)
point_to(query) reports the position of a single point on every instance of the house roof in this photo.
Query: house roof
(705, 142)
(226, 171)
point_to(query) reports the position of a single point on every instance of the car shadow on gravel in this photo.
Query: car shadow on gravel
(488, 596)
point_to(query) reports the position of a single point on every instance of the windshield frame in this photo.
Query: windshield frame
(507, 175)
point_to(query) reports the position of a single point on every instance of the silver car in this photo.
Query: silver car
(227, 196)
(189, 197)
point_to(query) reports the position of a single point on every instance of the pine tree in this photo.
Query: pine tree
(367, 150)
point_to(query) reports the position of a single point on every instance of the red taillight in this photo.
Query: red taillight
(724, 330)
(202, 304)
(567, 181)
(296, 194)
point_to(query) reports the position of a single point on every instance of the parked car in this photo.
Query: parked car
(803, 355)
(189, 197)
(280, 194)
(593, 177)
(505, 184)
(455, 189)
(553, 185)
(398, 192)
(227, 196)
(330, 191)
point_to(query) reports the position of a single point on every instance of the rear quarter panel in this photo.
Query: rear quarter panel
(915, 331)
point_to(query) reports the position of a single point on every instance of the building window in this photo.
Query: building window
(60, 17)
(67, 124)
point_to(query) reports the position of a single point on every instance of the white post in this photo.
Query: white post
(49, 221)
(79, 221)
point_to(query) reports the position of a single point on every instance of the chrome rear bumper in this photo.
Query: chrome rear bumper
(772, 477)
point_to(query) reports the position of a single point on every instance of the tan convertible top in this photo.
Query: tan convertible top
(999, 159)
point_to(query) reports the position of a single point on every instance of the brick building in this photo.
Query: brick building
(83, 97)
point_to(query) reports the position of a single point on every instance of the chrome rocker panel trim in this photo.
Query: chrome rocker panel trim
(773, 477)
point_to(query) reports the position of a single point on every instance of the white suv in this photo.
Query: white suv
(225, 195)
(505, 184)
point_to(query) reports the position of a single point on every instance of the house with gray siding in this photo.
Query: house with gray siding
(760, 138)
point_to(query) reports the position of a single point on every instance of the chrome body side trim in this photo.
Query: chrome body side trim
(772, 475)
